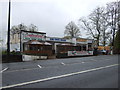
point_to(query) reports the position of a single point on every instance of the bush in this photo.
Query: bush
(12, 53)
(4, 52)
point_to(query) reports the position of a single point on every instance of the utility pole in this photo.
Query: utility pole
(8, 36)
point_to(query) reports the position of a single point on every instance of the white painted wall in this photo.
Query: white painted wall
(32, 58)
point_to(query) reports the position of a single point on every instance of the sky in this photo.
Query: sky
(50, 16)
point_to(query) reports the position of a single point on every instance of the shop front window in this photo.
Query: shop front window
(84, 47)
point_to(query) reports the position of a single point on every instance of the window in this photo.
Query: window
(25, 47)
(79, 48)
(84, 47)
(31, 48)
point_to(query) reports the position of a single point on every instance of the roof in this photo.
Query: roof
(33, 32)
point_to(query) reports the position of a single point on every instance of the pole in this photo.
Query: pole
(8, 37)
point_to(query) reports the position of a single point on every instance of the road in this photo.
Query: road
(81, 72)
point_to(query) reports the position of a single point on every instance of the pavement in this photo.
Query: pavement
(81, 72)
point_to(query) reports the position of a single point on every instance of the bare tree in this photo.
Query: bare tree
(113, 14)
(102, 23)
(105, 28)
(17, 28)
(72, 30)
(93, 24)
(32, 27)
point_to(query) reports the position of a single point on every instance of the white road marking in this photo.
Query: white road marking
(83, 62)
(4, 70)
(39, 66)
(92, 59)
(107, 59)
(62, 63)
(20, 70)
(56, 77)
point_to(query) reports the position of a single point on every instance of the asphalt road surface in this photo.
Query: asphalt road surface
(81, 72)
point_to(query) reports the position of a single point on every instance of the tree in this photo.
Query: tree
(112, 13)
(72, 30)
(102, 23)
(17, 28)
(93, 24)
(116, 48)
(114, 17)
(105, 28)
(32, 27)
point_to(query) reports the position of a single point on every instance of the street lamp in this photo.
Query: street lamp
(8, 36)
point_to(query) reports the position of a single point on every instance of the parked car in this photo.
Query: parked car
(103, 52)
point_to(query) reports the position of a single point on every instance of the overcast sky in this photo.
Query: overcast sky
(50, 16)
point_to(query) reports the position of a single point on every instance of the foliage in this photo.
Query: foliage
(72, 30)
(11, 53)
(4, 52)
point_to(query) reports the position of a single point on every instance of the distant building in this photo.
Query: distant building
(15, 42)
(37, 43)
(83, 42)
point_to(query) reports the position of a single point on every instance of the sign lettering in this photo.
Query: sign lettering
(33, 36)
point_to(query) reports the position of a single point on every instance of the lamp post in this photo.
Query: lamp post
(8, 36)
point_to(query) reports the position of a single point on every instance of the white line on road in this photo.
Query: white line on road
(107, 59)
(83, 62)
(21, 70)
(62, 63)
(56, 77)
(4, 70)
(39, 66)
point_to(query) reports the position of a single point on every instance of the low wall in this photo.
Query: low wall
(11, 58)
(79, 53)
(32, 57)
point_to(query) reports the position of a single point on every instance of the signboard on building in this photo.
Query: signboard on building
(57, 39)
(81, 40)
(33, 36)
(79, 53)
(89, 41)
